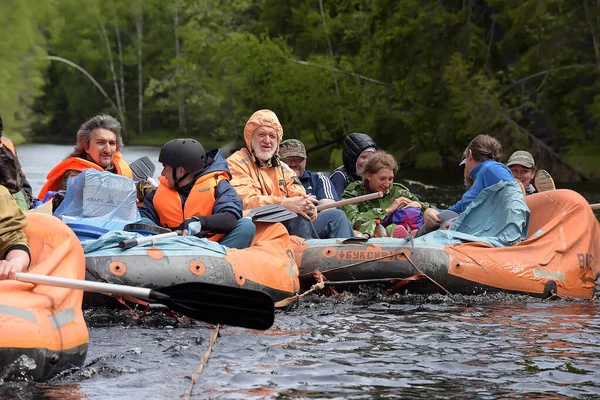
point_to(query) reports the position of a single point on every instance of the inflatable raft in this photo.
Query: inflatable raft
(268, 265)
(560, 256)
(44, 323)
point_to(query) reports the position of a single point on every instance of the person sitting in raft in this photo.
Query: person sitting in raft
(14, 250)
(522, 166)
(194, 195)
(12, 176)
(330, 223)
(261, 178)
(356, 150)
(99, 144)
(481, 170)
(398, 207)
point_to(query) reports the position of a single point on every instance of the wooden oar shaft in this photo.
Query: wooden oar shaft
(341, 203)
(96, 287)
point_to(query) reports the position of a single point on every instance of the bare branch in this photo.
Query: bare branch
(548, 71)
(353, 74)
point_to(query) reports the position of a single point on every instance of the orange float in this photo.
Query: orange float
(560, 256)
(268, 265)
(45, 323)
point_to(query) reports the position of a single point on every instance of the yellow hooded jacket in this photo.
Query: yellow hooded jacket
(258, 186)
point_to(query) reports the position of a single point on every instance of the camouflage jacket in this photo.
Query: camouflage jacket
(362, 215)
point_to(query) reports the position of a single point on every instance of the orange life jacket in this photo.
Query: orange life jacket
(200, 202)
(9, 145)
(56, 175)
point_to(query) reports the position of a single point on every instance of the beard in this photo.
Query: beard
(263, 155)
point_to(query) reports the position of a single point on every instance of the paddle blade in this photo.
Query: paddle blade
(218, 304)
(271, 213)
(142, 168)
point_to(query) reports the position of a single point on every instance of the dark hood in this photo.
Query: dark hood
(354, 145)
(215, 161)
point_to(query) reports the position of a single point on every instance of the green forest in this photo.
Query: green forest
(421, 77)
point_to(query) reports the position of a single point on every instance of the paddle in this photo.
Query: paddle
(202, 301)
(595, 207)
(269, 213)
(142, 168)
(358, 199)
(129, 243)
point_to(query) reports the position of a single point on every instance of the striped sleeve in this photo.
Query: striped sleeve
(326, 188)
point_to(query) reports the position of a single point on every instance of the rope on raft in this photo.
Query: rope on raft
(203, 361)
(123, 298)
(320, 285)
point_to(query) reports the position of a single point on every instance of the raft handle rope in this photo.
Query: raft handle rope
(403, 281)
(423, 273)
(203, 361)
(320, 285)
(397, 253)
(122, 298)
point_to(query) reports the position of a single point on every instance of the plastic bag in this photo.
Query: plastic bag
(101, 199)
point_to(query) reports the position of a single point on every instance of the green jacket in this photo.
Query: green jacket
(362, 215)
(12, 222)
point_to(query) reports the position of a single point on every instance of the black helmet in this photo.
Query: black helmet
(186, 153)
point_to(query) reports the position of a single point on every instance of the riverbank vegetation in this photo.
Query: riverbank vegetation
(421, 77)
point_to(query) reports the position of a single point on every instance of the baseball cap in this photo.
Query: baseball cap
(521, 157)
(291, 148)
(463, 160)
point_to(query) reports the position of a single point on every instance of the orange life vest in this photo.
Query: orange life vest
(9, 145)
(56, 175)
(200, 202)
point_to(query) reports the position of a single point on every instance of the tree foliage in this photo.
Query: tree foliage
(420, 76)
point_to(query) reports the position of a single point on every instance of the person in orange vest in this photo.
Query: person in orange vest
(14, 250)
(12, 176)
(98, 146)
(194, 195)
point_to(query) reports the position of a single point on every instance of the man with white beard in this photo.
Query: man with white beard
(261, 178)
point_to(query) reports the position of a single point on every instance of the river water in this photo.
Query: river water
(349, 346)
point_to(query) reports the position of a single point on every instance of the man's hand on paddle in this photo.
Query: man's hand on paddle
(431, 218)
(16, 261)
(302, 205)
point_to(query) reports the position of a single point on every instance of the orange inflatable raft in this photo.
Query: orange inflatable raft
(268, 265)
(559, 257)
(44, 323)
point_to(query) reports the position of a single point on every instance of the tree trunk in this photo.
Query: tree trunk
(120, 53)
(112, 72)
(335, 81)
(180, 105)
(139, 27)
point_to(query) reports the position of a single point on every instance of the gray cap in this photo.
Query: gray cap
(291, 148)
(521, 157)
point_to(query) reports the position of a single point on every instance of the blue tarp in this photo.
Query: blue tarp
(108, 245)
(498, 216)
